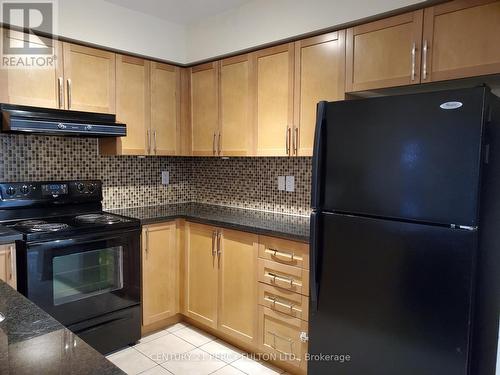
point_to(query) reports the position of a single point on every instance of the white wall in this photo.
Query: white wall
(264, 21)
(108, 25)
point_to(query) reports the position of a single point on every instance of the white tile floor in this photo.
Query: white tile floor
(184, 350)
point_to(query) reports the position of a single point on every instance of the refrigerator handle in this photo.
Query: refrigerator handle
(315, 253)
(317, 161)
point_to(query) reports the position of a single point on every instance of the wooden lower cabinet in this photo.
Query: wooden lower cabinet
(160, 272)
(8, 264)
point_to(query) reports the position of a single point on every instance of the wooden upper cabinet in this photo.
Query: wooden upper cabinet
(384, 53)
(274, 100)
(90, 79)
(165, 109)
(319, 75)
(160, 272)
(462, 40)
(205, 109)
(238, 284)
(236, 106)
(201, 274)
(39, 87)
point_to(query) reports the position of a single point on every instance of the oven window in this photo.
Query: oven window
(86, 274)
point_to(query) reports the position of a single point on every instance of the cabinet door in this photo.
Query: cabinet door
(132, 104)
(204, 109)
(160, 272)
(235, 101)
(238, 284)
(90, 79)
(461, 39)
(40, 87)
(201, 274)
(319, 75)
(384, 53)
(8, 264)
(274, 100)
(165, 108)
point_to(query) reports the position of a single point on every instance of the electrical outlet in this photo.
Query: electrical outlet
(290, 183)
(165, 177)
(281, 183)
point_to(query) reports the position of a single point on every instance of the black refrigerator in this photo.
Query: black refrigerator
(396, 234)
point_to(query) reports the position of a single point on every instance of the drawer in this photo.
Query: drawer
(284, 301)
(284, 251)
(283, 336)
(291, 278)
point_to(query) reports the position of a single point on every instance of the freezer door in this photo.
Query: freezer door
(405, 156)
(394, 298)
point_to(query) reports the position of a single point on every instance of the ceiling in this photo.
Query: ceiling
(181, 12)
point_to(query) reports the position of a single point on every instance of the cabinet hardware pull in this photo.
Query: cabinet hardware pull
(147, 241)
(287, 339)
(219, 145)
(287, 140)
(68, 82)
(424, 57)
(154, 138)
(60, 95)
(213, 144)
(283, 279)
(295, 140)
(277, 253)
(149, 141)
(413, 55)
(275, 302)
(214, 234)
(219, 237)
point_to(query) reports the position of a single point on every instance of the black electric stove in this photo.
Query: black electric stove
(76, 261)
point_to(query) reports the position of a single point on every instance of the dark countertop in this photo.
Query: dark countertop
(32, 342)
(267, 223)
(8, 235)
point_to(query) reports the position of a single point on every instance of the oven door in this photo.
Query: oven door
(82, 277)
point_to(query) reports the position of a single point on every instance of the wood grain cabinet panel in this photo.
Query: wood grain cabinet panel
(461, 39)
(90, 79)
(236, 131)
(274, 100)
(165, 109)
(205, 109)
(319, 75)
(201, 274)
(160, 272)
(8, 264)
(39, 87)
(384, 53)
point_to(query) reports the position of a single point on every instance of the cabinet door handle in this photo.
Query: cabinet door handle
(214, 252)
(287, 140)
(413, 57)
(213, 143)
(219, 145)
(68, 83)
(282, 279)
(283, 254)
(275, 302)
(60, 94)
(149, 141)
(147, 242)
(154, 138)
(295, 140)
(219, 240)
(424, 58)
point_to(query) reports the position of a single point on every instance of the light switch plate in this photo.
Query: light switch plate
(281, 183)
(290, 183)
(165, 177)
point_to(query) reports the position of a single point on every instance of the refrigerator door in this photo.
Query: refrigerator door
(393, 296)
(415, 157)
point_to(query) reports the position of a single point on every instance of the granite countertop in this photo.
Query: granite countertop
(267, 223)
(32, 342)
(8, 235)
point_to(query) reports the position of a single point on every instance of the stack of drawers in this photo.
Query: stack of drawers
(283, 274)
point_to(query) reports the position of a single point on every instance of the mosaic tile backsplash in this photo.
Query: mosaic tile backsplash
(130, 181)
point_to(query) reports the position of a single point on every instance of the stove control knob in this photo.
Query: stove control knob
(25, 189)
(61, 126)
(11, 191)
(80, 187)
(91, 188)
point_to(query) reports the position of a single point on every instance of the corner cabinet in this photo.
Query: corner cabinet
(8, 264)
(160, 272)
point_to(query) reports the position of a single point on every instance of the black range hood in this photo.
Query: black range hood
(46, 121)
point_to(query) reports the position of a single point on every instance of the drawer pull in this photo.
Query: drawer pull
(275, 302)
(287, 339)
(291, 256)
(287, 280)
